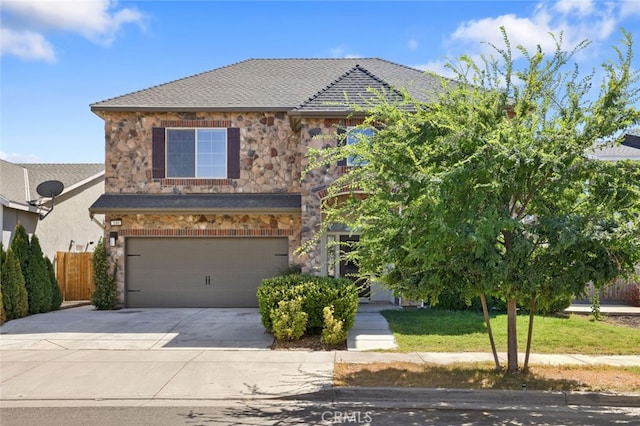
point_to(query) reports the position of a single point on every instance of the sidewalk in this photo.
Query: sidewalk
(44, 373)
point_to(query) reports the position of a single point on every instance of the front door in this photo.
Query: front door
(349, 269)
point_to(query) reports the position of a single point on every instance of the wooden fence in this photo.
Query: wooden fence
(75, 275)
(616, 292)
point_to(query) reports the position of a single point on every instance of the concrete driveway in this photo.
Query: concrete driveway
(84, 328)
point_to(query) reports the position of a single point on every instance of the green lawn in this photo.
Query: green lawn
(461, 331)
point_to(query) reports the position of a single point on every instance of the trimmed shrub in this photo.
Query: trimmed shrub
(56, 294)
(14, 293)
(333, 332)
(105, 295)
(37, 279)
(315, 292)
(288, 320)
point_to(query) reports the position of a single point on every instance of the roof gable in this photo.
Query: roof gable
(268, 85)
(356, 87)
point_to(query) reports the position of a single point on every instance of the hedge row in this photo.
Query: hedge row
(315, 292)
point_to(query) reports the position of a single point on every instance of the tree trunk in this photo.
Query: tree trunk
(487, 320)
(532, 310)
(512, 336)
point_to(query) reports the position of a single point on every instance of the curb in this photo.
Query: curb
(447, 397)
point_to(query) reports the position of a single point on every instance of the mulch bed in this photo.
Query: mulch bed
(307, 343)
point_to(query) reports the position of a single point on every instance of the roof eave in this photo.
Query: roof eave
(148, 108)
(165, 210)
(328, 114)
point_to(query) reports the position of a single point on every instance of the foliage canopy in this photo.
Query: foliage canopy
(492, 189)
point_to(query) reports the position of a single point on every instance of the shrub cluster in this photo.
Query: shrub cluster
(314, 294)
(28, 284)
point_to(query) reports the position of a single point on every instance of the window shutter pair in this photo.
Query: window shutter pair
(158, 153)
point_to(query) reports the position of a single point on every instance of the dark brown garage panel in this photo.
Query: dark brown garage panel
(200, 272)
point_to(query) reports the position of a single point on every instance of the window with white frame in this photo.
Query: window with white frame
(196, 153)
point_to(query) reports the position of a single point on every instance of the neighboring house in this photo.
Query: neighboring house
(205, 190)
(629, 149)
(67, 227)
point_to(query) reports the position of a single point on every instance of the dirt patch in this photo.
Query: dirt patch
(628, 320)
(307, 343)
(477, 376)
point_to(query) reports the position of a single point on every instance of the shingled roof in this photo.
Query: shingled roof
(18, 182)
(629, 149)
(276, 85)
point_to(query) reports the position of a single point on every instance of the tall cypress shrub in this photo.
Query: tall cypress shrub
(20, 247)
(14, 293)
(3, 316)
(37, 279)
(105, 295)
(56, 294)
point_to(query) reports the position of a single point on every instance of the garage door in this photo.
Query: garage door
(200, 272)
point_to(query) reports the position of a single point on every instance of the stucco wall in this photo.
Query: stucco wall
(70, 221)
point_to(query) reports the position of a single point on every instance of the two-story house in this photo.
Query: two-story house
(205, 190)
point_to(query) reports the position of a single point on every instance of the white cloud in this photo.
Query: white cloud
(629, 8)
(521, 31)
(413, 44)
(342, 52)
(581, 7)
(437, 66)
(576, 20)
(96, 20)
(26, 45)
(19, 158)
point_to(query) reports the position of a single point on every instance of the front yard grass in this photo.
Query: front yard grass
(418, 330)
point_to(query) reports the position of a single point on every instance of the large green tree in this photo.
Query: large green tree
(491, 188)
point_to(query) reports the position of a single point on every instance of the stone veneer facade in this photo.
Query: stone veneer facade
(272, 160)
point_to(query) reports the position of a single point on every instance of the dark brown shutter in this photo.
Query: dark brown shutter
(158, 152)
(341, 141)
(233, 153)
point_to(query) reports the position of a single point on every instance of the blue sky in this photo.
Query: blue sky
(60, 56)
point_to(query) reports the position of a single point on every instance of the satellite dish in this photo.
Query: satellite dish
(50, 188)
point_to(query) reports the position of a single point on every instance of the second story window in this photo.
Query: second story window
(354, 135)
(196, 153)
(200, 153)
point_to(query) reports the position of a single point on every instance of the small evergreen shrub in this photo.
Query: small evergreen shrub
(333, 332)
(14, 293)
(20, 247)
(288, 320)
(105, 295)
(56, 294)
(3, 316)
(37, 279)
(315, 292)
